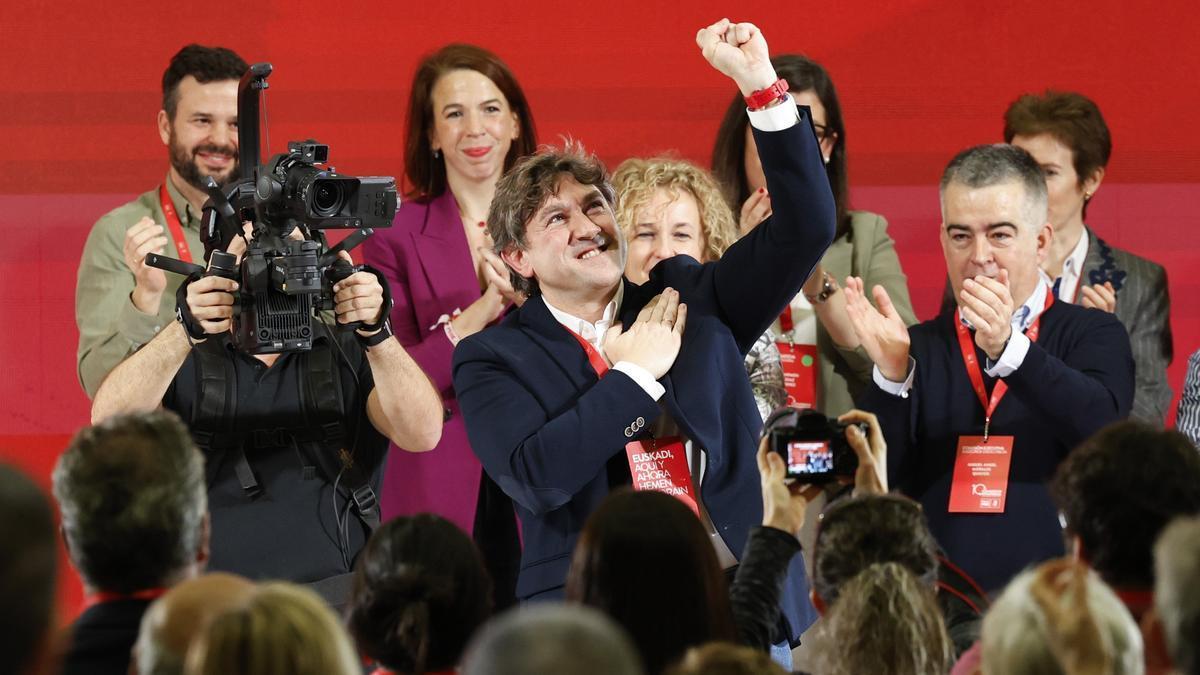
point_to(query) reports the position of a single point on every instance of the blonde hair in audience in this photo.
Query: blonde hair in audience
(1177, 591)
(636, 180)
(723, 658)
(1019, 637)
(885, 620)
(284, 629)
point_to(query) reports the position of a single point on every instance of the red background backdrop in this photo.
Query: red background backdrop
(919, 80)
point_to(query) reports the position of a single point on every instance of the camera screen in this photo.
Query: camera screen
(809, 457)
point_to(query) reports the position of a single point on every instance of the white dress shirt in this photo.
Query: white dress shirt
(1072, 270)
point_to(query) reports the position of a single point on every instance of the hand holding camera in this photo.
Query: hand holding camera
(784, 505)
(816, 450)
(206, 303)
(870, 478)
(359, 297)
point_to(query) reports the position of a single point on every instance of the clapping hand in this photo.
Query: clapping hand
(987, 305)
(755, 209)
(1100, 296)
(881, 331)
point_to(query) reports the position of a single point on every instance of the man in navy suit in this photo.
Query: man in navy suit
(553, 394)
(981, 404)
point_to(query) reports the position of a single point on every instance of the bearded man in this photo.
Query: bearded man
(119, 299)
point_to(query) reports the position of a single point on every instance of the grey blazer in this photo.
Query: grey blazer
(1144, 308)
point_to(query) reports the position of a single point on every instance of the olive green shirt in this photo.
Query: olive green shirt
(110, 327)
(868, 252)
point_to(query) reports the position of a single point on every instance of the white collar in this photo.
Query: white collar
(592, 332)
(1074, 261)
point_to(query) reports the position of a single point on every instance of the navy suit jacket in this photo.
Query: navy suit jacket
(101, 639)
(1077, 378)
(546, 428)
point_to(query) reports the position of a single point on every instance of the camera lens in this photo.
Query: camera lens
(328, 196)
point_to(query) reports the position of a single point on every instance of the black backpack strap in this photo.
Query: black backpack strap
(214, 412)
(321, 393)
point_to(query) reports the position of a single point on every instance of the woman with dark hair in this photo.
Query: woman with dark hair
(645, 560)
(420, 592)
(468, 122)
(815, 324)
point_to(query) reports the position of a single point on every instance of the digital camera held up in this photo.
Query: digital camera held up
(813, 447)
(288, 271)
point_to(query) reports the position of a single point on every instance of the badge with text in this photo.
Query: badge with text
(661, 464)
(799, 373)
(980, 482)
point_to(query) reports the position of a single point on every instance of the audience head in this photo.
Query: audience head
(198, 120)
(1177, 592)
(628, 564)
(735, 159)
(28, 569)
(724, 658)
(550, 216)
(1059, 618)
(134, 503)
(174, 620)
(1119, 489)
(281, 629)
(669, 207)
(885, 620)
(1066, 134)
(549, 639)
(859, 532)
(420, 592)
(468, 116)
(994, 218)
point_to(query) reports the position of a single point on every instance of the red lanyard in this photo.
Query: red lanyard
(594, 357)
(107, 596)
(173, 223)
(967, 346)
(785, 320)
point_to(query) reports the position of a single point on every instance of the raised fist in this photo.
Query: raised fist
(739, 51)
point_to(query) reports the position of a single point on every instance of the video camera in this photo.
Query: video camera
(283, 281)
(813, 447)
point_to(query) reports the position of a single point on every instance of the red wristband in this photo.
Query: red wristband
(765, 97)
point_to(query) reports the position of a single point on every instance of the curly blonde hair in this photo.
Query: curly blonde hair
(637, 179)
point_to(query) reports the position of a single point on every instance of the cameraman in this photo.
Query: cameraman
(292, 470)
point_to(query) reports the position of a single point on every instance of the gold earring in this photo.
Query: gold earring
(1087, 196)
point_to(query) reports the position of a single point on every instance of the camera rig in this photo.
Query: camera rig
(284, 281)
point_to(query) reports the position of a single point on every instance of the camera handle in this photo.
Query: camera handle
(329, 258)
(169, 264)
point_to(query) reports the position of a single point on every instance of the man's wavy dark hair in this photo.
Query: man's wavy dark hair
(206, 64)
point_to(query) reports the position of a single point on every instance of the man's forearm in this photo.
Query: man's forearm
(410, 407)
(140, 381)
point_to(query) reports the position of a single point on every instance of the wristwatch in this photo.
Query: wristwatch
(828, 288)
(385, 332)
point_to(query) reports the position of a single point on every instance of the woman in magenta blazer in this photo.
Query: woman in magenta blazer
(468, 121)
